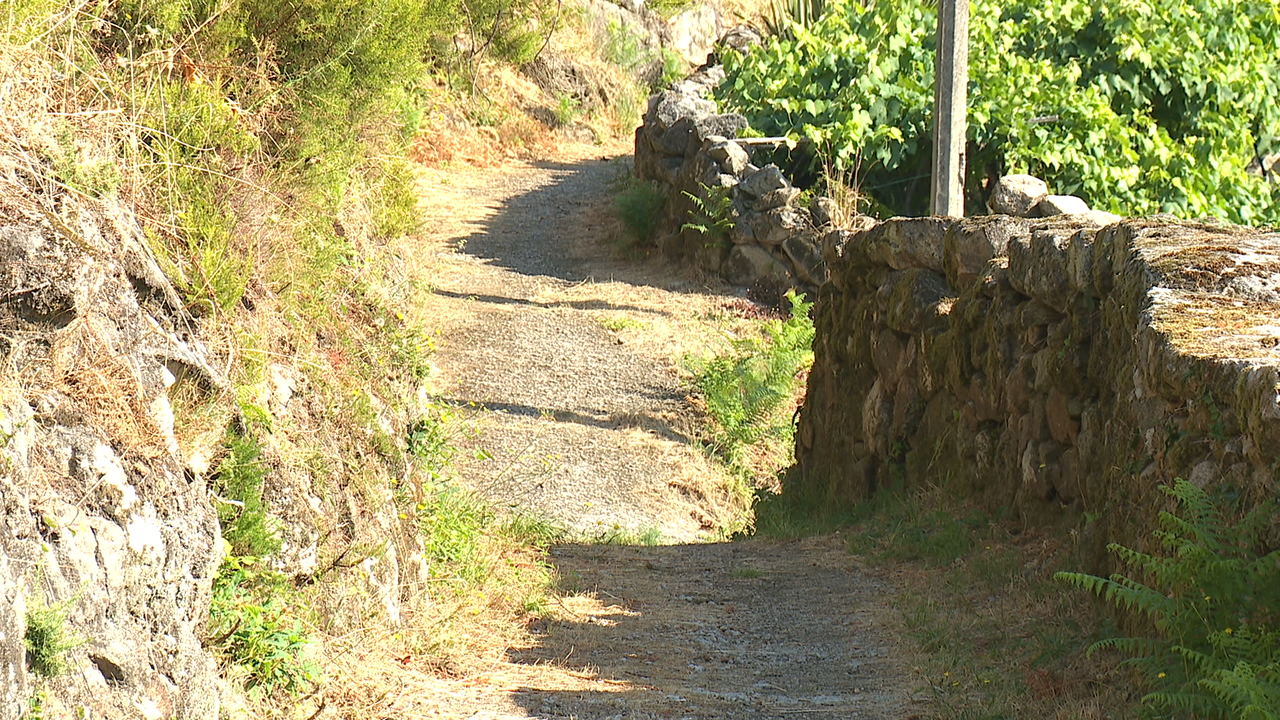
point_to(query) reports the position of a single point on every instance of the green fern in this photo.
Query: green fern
(746, 387)
(1214, 601)
(711, 213)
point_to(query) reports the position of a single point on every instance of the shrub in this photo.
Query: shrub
(242, 512)
(253, 627)
(1213, 601)
(1139, 107)
(640, 204)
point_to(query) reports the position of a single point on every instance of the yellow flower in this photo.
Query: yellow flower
(1160, 675)
(1227, 631)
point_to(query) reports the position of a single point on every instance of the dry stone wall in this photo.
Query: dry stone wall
(1055, 367)
(694, 153)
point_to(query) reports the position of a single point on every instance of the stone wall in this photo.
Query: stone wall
(690, 150)
(1055, 367)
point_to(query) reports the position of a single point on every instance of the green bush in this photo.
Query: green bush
(1139, 107)
(640, 205)
(1213, 601)
(246, 526)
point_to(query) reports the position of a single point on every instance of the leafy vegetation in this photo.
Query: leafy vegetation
(1213, 601)
(639, 204)
(710, 214)
(1138, 107)
(47, 639)
(747, 388)
(254, 626)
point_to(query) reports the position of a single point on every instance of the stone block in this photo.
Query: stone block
(1038, 265)
(877, 419)
(904, 243)
(749, 265)
(970, 244)
(731, 157)
(777, 198)
(1016, 195)
(771, 227)
(1051, 205)
(726, 125)
(762, 181)
(1062, 427)
(913, 301)
(806, 259)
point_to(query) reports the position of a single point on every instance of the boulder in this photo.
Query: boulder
(726, 125)
(1096, 218)
(741, 38)
(806, 258)
(970, 244)
(732, 158)
(669, 107)
(1017, 195)
(694, 32)
(777, 198)
(771, 227)
(903, 243)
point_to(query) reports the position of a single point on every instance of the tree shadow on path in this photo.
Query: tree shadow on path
(753, 629)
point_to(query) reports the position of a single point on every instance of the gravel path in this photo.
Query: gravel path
(573, 422)
(562, 358)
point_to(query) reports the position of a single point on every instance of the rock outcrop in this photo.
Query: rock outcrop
(1049, 366)
(99, 514)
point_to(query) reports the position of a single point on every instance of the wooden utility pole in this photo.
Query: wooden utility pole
(951, 97)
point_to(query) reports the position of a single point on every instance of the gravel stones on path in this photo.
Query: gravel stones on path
(571, 423)
(753, 629)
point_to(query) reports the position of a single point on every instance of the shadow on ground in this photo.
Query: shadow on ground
(533, 232)
(754, 629)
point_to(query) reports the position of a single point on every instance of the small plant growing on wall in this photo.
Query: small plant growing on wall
(1213, 601)
(48, 640)
(711, 214)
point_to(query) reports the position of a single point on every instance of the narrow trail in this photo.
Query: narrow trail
(562, 358)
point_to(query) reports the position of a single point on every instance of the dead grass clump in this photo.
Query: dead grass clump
(107, 390)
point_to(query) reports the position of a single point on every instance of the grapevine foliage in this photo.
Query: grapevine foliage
(1138, 106)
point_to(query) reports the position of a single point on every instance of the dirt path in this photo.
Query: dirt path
(562, 357)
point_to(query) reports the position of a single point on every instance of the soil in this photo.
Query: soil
(562, 353)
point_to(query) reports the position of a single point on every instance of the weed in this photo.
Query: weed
(566, 110)
(35, 705)
(428, 441)
(452, 523)
(625, 48)
(48, 640)
(1213, 602)
(618, 535)
(640, 205)
(747, 573)
(241, 510)
(618, 323)
(253, 627)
